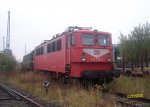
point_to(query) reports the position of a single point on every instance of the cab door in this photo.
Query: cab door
(68, 49)
(71, 39)
(70, 43)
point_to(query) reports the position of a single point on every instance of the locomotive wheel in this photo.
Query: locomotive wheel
(85, 82)
(108, 80)
(66, 80)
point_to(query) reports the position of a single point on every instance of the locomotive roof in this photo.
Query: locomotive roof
(71, 31)
(91, 31)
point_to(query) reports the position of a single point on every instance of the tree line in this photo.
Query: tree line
(135, 47)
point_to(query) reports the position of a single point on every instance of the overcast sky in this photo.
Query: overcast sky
(33, 21)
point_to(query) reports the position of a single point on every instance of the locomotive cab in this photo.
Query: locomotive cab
(89, 55)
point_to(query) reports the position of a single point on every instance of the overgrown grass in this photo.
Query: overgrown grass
(74, 95)
(65, 95)
(132, 85)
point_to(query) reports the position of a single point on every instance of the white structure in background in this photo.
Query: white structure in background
(8, 51)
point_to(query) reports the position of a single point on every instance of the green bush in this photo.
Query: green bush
(7, 63)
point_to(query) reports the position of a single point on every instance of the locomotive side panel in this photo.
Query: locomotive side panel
(56, 60)
(53, 56)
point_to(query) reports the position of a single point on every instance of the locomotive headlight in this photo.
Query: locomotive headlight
(108, 59)
(83, 57)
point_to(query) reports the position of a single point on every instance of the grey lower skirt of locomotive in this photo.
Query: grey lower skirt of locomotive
(101, 77)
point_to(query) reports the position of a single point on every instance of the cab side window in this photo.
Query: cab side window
(71, 40)
(68, 41)
(59, 45)
(53, 46)
(49, 47)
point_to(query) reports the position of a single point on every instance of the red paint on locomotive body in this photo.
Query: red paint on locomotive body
(76, 52)
(52, 61)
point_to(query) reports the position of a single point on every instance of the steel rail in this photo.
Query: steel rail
(7, 98)
(9, 92)
(22, 96)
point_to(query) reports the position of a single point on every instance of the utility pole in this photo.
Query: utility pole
(3, 44)
(25, 49)
(123, 62)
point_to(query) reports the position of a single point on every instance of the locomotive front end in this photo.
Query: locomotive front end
(91, 57)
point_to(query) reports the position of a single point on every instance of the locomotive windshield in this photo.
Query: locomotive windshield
(88, 39)
(103, 40)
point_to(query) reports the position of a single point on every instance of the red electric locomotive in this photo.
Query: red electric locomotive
(79, 52)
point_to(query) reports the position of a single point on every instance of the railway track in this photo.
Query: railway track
(11, 98)
(133, 102)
